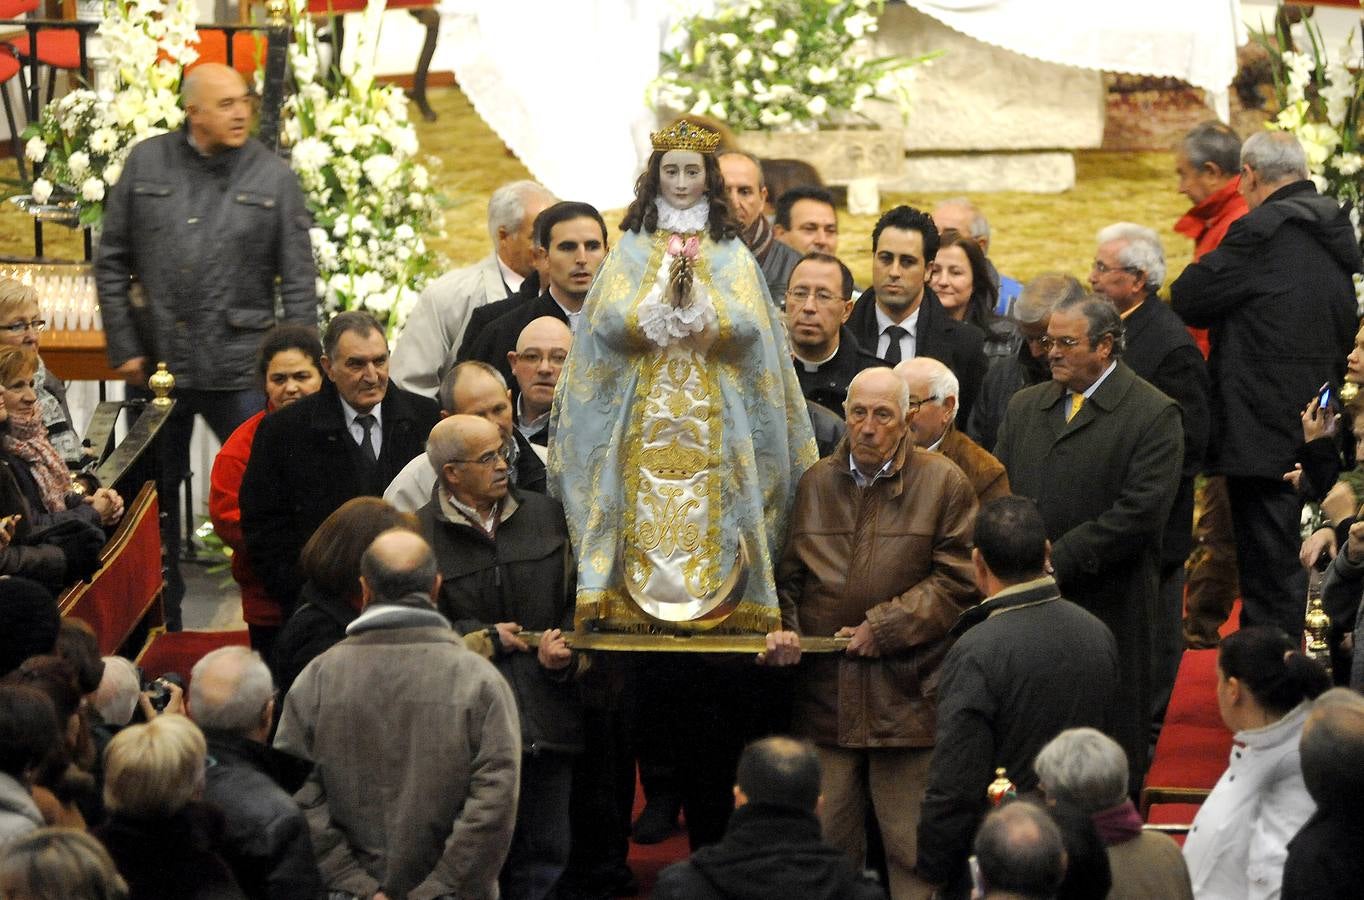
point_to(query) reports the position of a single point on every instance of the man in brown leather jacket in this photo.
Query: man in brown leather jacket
(878, 551)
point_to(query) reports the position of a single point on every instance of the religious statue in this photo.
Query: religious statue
(679, 426)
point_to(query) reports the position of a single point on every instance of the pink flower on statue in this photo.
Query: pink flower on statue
(680, 246)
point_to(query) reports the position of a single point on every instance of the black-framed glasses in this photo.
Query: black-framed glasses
(37, 326)
(490, 458)
(801, 296)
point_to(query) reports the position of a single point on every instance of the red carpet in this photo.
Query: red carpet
(646, 861)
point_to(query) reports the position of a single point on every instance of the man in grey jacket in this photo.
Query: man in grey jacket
(414, 740)
(205, 221)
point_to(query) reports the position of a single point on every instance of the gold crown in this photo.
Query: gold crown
(684, 135)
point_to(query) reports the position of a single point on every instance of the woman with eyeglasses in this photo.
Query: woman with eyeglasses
(290, 365)
(961, 280)
(20, 325)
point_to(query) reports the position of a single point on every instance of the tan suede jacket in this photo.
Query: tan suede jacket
(896, 554)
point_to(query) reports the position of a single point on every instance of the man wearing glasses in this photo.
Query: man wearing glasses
(1100, 451)
(505, 564)
(827, 356)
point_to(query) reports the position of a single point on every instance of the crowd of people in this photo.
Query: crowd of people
(985, 490)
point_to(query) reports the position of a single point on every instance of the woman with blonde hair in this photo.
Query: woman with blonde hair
(59, 864)
(20, 326)
(163, 837)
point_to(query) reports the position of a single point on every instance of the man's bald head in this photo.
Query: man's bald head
(878, 381)
(230, 691)
(474, 388)
(398, 567)
(541, 351)
(218, 107)
(453, 437)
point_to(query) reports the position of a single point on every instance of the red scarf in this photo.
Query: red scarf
(27, 439)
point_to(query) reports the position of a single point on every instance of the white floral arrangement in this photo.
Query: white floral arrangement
(355, 153)
(781, 64)
(80, 141)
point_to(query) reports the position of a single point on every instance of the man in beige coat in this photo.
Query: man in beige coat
(414, 741)
(878, 551)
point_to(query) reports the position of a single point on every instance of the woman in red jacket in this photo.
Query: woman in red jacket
(291, 365)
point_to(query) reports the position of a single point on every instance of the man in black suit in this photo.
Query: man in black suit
(1129, 267)
(572, 244)
(900, 317)
(348, 440)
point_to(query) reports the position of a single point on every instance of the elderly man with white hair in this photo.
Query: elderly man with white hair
(1086, 770)
(266, 841)
(933, 393)
(1129, 267)
(1278, 300)
(878, 550)
(426, 349)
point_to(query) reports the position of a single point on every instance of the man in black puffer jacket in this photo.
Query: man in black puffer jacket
(772, 847)
(1277, 299)
(505, 565)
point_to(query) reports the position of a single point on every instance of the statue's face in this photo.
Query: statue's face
(682, 178)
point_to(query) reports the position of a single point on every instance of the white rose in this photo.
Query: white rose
(817, 106)
(718, 111)
(361, 224)
(78, 163)
(768, 64)
(764, 25)
(780, 91)
(783, 48)
(42, 190)
(729, 39)
(404, 232)
(1349, 164)
(318, 236)
(380, 169)
(35, 149)
(92, 189)
(702, 103)
(743, 58)
(112, 171)
(859, 24)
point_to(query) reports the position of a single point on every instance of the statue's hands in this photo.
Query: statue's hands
(783, 649)
(553, 651)
(863, 641)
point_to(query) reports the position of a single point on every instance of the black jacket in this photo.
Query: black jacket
(1160, 349)
(1005, 378)
(1008, 687)
(177, 858)
(44, 563)
(206, 238)
(828, 383)
(498, 338)
(305, 464)
(318, 624)
(524, 575)
(767, 851)
(1325, 861)
(1277, 299)
(958, 345)
(266, 840)
(491, 312)
(829, 427)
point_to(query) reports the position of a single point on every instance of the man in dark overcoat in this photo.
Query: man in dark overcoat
(1099, 449)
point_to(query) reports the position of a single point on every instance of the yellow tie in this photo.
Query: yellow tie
(1076, 401)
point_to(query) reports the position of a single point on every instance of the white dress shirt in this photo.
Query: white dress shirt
(357, 431)
(907, 343)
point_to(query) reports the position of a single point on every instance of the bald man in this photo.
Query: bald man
(207, 219)
(541, 350)
(413, 739)
(506, 565)
(964, 217)
(933, 393)
(232, 698)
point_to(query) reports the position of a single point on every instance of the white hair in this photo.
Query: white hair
(1083, 767)
(1142, 250)
(944, 385)
(507, 205)
(1274, 156)
(116, 697)
(239, 711)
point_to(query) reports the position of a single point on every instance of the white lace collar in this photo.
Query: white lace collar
(693, 218)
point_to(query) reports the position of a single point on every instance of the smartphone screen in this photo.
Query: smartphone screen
(1325, 397)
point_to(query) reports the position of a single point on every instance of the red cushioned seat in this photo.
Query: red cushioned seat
(248, 49)
(178, 651)
(9, 66)
(1193, 700)
(57, 47)
(1173, 814)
